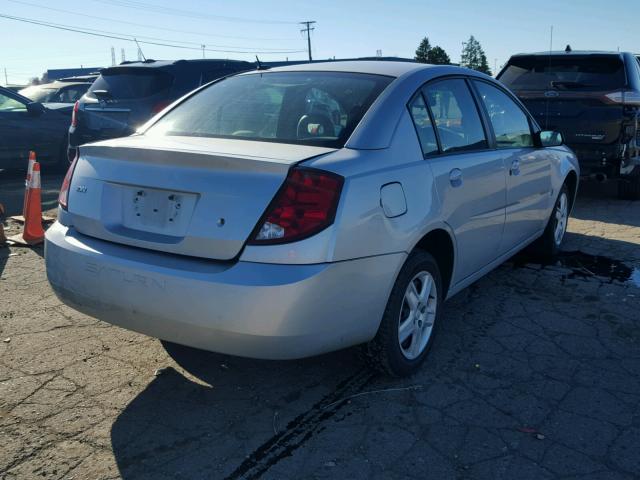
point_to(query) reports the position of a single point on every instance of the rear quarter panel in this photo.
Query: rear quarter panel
(361, 228)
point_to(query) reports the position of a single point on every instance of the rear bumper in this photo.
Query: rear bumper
(249, 309)
(606, 159)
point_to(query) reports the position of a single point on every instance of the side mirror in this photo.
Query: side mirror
(35, 109)
(549, 138)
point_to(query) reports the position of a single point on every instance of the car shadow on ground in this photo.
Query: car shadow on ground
(212, 419)
(503, 366)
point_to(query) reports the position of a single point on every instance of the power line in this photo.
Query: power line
(185, 13)
(154, 27)
(308, 31)
(131, 38)
(248, 49)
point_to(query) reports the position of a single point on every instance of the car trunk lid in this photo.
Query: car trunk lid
(186, 195)
(582, 117)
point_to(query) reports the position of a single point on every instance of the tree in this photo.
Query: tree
(428, 54)
(473, 56)
(422, 53)
(437, 56)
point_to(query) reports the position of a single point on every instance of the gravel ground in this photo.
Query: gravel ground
(535, 374)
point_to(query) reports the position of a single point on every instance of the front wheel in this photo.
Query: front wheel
(548, 245)
(408, 325)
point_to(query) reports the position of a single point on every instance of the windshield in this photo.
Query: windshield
(38, 93)
(312, 108)
(592, 72)
(128, 83)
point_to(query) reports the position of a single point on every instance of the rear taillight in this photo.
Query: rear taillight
(74, 114)
(158, 107)
(305, 204)
(63, 196)
(624, 97)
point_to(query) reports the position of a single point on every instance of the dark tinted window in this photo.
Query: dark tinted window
(510, 123)
(423, 124)
(593, 72)
(70, 94)
(315, 108)
(456, 115)
(127, 83)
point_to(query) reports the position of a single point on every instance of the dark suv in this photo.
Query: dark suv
(593, 99)
(125, 96)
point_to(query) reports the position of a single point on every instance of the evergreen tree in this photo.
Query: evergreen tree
(422, 53)
(437, 56)
(473, 56)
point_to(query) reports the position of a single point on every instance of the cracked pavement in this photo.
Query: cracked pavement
(535, 374)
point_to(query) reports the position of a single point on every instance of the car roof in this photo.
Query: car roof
(571, 53)
(375, 67)
(58, 84)
(150, 63)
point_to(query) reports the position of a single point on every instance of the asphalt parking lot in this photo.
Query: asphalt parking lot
(535, 375)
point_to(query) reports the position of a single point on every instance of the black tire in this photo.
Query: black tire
(384, 352)
(629, 188)
(547, 246)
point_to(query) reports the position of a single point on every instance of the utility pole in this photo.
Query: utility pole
(203, 45)
(122, 55)
(6, 80)
(113, 57)
(308, 32)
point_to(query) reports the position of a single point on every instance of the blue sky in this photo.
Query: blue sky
(343, 29)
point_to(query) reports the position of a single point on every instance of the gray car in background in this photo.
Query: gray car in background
(61, 91)
(285, 213)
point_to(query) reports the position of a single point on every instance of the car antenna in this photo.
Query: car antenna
(568, 49)
(140, 50)
(258, 62)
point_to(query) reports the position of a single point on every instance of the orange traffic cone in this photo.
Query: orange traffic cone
(32, 161)
(33, 232)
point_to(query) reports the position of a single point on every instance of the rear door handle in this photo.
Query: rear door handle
(455, 177)
(515, 167)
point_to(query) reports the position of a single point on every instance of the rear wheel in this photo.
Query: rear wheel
(408, 325)
(629, 188)
(549, 243)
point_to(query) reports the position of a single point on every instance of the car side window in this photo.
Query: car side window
(424, 127)
(510, 124)
(456, 116)
(8, 104)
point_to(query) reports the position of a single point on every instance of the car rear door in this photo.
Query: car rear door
(528, 168)
(470, 177)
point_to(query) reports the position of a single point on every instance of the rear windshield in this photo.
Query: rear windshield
(312, 108)
(594, 72)
(127, 83)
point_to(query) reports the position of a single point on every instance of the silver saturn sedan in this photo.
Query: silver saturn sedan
(285, 213)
